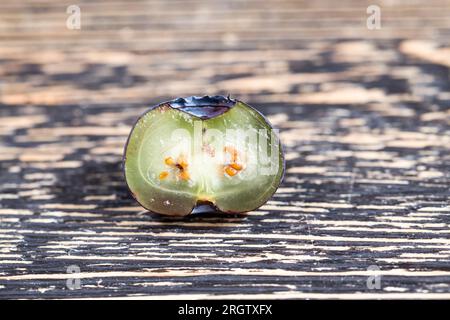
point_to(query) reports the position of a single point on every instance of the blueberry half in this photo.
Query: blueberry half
(197, 151)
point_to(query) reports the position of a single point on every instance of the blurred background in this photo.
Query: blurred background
(140, 51)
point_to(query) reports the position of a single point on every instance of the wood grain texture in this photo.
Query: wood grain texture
(364, 117)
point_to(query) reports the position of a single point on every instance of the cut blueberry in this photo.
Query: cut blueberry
(193, 151)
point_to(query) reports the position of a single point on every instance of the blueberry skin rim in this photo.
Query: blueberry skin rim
(202, 102)
(195, 101)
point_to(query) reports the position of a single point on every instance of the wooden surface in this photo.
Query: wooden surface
(364, 117)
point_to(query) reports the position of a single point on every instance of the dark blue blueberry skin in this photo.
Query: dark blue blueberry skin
(205, 107)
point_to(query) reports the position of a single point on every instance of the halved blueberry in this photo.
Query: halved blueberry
(194, 151)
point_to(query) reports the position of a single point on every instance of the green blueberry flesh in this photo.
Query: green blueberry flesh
(203, 150)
